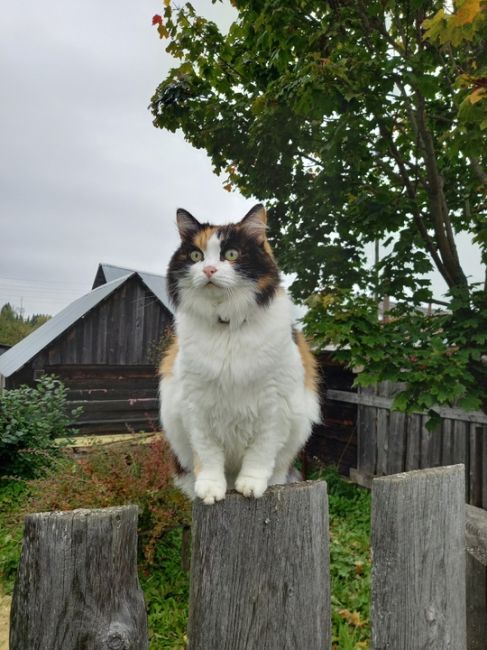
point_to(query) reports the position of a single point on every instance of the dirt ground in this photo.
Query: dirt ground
(4, 620)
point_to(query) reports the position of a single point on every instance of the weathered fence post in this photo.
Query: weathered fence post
(77, 584)
(259, 574)
(476, 546)
(418, 547)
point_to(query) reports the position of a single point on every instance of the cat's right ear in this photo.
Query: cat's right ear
(188, 226)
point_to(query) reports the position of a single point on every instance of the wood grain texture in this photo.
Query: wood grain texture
(77, 585)
(382, 441)
(373, 399)
(397, 443)
(413, 443)
(367, 428)
(476, 546)
(418, 546)
(476, 604)
(260, 575)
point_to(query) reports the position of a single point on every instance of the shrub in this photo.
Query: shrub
(14, 496)
(30, 420)
(140, 474)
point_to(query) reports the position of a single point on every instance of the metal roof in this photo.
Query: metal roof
(108, 272)
(21, 353)
(156, 283)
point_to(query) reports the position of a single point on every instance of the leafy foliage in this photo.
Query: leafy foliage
(138, 474)
(14, 327)
(440, 354)
(14, 495)
(30, 421)
(166, 592)
(356, 122)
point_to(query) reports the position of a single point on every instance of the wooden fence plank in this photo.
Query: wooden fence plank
(413, 442)
(77, 583)
(460, 449)
(476, 546)
(426, 444)
(397, 442)
(367, 442)
(483, 437)
(259, 571)
(447, 443)
(371, 399)
(382, 440)
(418, 575)
(475, 465)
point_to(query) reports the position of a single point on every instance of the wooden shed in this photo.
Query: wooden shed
(105, 347)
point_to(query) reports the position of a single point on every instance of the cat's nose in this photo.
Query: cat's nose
(209, 271)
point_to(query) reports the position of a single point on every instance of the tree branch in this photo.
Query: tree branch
(478, 170)
(439, 209)
(411, 192)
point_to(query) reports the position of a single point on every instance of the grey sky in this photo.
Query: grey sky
(84, 176)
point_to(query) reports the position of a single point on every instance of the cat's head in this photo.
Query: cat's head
(220, 264)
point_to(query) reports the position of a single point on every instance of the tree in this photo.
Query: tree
(356, 122)
(14, 327)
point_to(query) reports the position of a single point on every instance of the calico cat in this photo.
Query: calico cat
(238, 384)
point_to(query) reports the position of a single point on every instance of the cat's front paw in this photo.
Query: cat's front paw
(210, 490)
(251, 486)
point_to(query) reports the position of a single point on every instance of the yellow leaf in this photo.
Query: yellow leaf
(359, 568)
(352, 618)
(430, 22)
(477, 95)
(466, 13)
(163, 31)
(167, 3)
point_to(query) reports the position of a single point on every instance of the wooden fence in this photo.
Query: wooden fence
(390, 442)
(259, 572)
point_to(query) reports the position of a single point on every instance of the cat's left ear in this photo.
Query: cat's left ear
(187, 224)
(255, 223)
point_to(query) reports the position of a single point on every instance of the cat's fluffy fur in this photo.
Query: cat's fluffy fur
(238, 385)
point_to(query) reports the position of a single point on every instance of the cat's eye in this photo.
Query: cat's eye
(196, 256)
(231, 254)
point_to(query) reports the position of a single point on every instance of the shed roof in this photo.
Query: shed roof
(12, 360)
(156, 283)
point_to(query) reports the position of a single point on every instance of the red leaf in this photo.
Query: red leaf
(157, 20)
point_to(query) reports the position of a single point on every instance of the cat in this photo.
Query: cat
(238, 385)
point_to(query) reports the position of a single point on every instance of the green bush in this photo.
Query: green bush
(139, 474)
(14, 497)
(30, 420)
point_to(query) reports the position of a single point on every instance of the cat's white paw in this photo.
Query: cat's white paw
(210, 490)
(251, 486)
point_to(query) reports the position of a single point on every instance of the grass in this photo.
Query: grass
(349, 509)
(166, 585)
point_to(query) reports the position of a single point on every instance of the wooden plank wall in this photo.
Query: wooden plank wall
(390, 442)
(126, 328)
(115, 399)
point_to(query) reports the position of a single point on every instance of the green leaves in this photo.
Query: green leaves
(354, 126)
(438, 357)
(30, 421)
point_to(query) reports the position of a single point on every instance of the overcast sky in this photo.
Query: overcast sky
(84, 176)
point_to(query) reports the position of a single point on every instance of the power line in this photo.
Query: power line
(63, 282)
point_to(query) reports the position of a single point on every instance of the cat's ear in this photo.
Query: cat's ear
(255, 223)
(187, 224)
